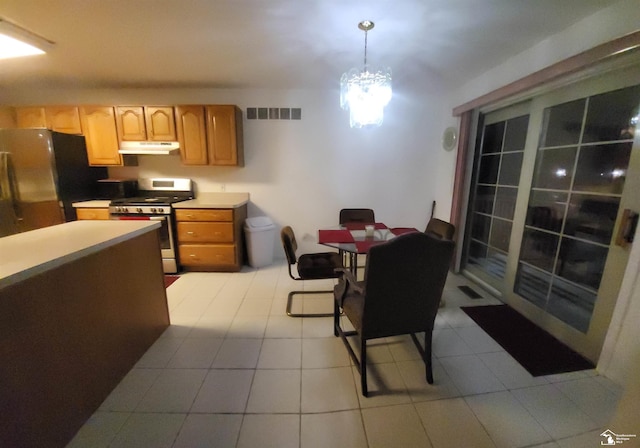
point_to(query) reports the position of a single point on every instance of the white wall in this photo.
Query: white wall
(301, 173)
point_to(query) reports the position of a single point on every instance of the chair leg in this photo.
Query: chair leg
(425, 353)
(428, 360)
(363, 367)
(336, 318)
(290, 304)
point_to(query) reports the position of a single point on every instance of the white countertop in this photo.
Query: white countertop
(215, 200)
(30, 253)
(98, 203)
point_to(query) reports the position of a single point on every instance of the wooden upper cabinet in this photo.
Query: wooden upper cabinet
(130, 123)
(192, 134)
(99, 125)
(63, 119)
(143, 123)
(30, 117)
(161, 124)
(224, 135)
(57, 118)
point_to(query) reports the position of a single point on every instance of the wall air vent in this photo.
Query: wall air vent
(274, 113)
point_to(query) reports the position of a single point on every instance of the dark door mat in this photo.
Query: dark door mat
(535, 349)
(470, 292)
(169, 279)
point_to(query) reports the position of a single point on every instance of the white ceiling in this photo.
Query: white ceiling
(273, 43)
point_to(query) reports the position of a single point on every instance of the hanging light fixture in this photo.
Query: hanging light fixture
(365, 93)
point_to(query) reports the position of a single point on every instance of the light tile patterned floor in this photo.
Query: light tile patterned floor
(234, 371)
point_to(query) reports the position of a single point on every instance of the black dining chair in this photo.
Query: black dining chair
(310, 266)
(400, 294)
(359, 215)
(355, 215)
(440, 228)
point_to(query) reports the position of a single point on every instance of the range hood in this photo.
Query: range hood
(155, 148)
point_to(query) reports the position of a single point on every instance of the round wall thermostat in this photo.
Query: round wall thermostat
(449, 138)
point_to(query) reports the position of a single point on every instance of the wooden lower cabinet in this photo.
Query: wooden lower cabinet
(92, 213)
(211, 239)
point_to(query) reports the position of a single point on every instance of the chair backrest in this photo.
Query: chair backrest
(289, 244)
(440, 228)
(403, 284)
(357, 215)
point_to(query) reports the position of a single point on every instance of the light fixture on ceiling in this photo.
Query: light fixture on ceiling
(365, 92)
(16, 41)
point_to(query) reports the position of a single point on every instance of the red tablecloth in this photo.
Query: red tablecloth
(334, 236)
(402, 230)
(360, 225)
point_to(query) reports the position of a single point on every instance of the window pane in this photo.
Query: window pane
(516, 134)
(495, 264)
(562, 124)
(571, 304)
(554, 168)
(489, 169)
(505, 202)
(581, 262)
(592, 217)
(484, 200)
(539, 248)
(492, 139)
(500, 234)
(480, 227)
(510, 169)
(603, 168)
(546, 210)
(477, 253)
(533, 285)
(610, 115)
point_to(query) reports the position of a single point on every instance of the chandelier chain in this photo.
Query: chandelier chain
(365, 50)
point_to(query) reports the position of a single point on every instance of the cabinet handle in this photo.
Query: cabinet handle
(190, 233)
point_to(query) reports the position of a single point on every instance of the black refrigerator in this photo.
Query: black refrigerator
(41, 174)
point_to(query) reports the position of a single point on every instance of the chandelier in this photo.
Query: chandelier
(365, 93)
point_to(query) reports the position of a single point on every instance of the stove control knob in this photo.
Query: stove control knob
(160, 210)
(153, 209)
(139, 210)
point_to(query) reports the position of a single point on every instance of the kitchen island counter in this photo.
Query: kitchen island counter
(215, 200)
(30, 253)
(81, 303)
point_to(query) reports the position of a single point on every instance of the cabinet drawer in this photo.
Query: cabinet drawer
(207, 254)
(92, 213)
(205, 232)
(204, 214)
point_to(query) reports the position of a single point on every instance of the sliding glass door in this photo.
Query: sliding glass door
(554, 185)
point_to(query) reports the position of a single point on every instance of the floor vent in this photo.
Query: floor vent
(470, 292)
(274, 113)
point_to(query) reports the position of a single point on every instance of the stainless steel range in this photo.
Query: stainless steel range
(153, 202)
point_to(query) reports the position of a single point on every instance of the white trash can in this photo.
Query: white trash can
(260, 235)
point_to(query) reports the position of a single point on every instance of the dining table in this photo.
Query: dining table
(354, 238)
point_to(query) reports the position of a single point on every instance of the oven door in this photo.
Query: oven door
(166, 232)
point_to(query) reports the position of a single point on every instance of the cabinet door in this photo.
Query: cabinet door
(99, 125)
(30, 117)
(224, 135)
(161, 125)
(63, 119)
(130, 123)
(92, 213)
(192, 134)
